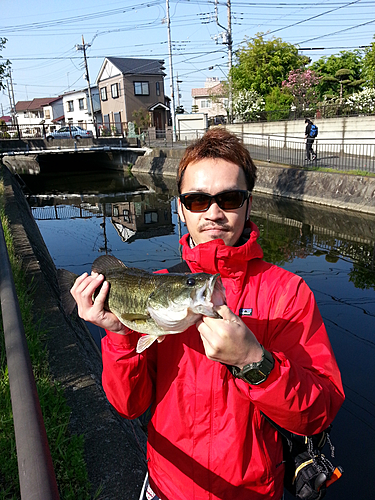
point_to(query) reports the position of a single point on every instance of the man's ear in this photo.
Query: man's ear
(180, 210)
(250, 201)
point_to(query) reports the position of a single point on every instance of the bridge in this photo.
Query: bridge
(33, 154)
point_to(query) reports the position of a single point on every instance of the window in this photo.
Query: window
(141, 88)
(127, 215)
(206, 104)
(151, 217)
(114, 90)
(157, 88)
(81, 103)
(70, 106)
(103, 93)
(47, 114)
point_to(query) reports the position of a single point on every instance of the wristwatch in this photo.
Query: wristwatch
(255, 373)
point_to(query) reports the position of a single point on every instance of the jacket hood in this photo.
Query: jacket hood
(216, 257)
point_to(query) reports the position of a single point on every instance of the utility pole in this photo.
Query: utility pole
(230, 61)
(227, 40)
(13, 104)
(178, 91)
(173, 110)
(83, 48)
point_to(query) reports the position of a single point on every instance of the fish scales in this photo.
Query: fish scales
(149, 303)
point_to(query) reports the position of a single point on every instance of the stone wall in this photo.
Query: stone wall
(349, 192)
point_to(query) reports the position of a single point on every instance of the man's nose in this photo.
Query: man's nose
(214, 211)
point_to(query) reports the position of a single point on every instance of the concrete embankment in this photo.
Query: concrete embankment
(114, 447)
(339, 190)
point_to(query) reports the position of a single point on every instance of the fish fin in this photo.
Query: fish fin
(105, 262)
(145, 342)
(66, 280)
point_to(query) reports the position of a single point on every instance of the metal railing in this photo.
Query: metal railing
(36, 474)
(330, 153)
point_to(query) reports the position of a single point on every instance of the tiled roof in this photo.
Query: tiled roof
(6, 119)
(208, 91)
(129, 66)
(37, 103)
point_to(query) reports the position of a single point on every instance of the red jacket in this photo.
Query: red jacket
(207, 438)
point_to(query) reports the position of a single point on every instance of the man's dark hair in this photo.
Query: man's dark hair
(218, 143)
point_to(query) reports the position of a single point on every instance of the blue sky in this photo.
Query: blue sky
(42, 36)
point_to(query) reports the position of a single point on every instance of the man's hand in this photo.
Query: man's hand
(229, 340)
(93, 311)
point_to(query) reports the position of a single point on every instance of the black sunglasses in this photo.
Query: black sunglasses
(226, 200)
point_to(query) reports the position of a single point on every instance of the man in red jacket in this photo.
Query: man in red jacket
(208, 386)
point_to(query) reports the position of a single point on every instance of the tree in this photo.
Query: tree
(194, 108)
(369, 65)
(4, 66)
(333, 77)
(263, 64)
(364, 101)
(302, 85)
(141, 119)
(278, 103)
(247, 105)
(180, 110)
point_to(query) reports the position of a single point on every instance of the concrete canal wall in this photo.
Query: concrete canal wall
(349, 192)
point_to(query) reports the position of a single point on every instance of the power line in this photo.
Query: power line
(336, 32)
(74, 19)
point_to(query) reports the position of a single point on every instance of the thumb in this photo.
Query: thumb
(225, 312)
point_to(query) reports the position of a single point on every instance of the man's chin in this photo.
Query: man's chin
(207, 236)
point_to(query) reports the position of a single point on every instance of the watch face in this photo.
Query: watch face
(254, 376)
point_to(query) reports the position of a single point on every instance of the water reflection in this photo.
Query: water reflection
(135, 218)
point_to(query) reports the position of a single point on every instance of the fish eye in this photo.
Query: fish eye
(190, 281)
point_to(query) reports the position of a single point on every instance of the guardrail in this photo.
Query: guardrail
(330, 153)
(36, 474)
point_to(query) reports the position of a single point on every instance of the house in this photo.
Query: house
(77, 108)
(5, 122)
(211, 99)
(43, 112)
(132, 90)
(49, 109)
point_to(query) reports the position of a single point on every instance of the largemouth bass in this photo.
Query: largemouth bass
(153, 304)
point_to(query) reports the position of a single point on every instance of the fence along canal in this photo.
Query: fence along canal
(36, 474)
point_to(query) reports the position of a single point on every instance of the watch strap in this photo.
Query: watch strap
(255, 373)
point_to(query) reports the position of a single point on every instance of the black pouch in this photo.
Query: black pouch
(308, 472)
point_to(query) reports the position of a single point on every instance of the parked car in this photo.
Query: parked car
(68, 132)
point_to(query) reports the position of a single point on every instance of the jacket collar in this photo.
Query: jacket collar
(216, 257)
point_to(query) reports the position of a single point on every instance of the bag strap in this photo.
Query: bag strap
(181, 267)
(317, 440)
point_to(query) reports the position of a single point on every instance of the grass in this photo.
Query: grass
(67, 450)
(335, 171)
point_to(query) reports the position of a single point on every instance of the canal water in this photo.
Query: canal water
(83, 216)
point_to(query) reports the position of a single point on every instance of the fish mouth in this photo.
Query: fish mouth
(209, 296)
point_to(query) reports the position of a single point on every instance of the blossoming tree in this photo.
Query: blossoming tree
(302, 84)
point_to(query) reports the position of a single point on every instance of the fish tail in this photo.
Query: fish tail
(145, 342)
(66, 280)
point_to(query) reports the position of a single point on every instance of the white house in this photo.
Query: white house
(44, 110)
(77, 109)
(211, 98)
